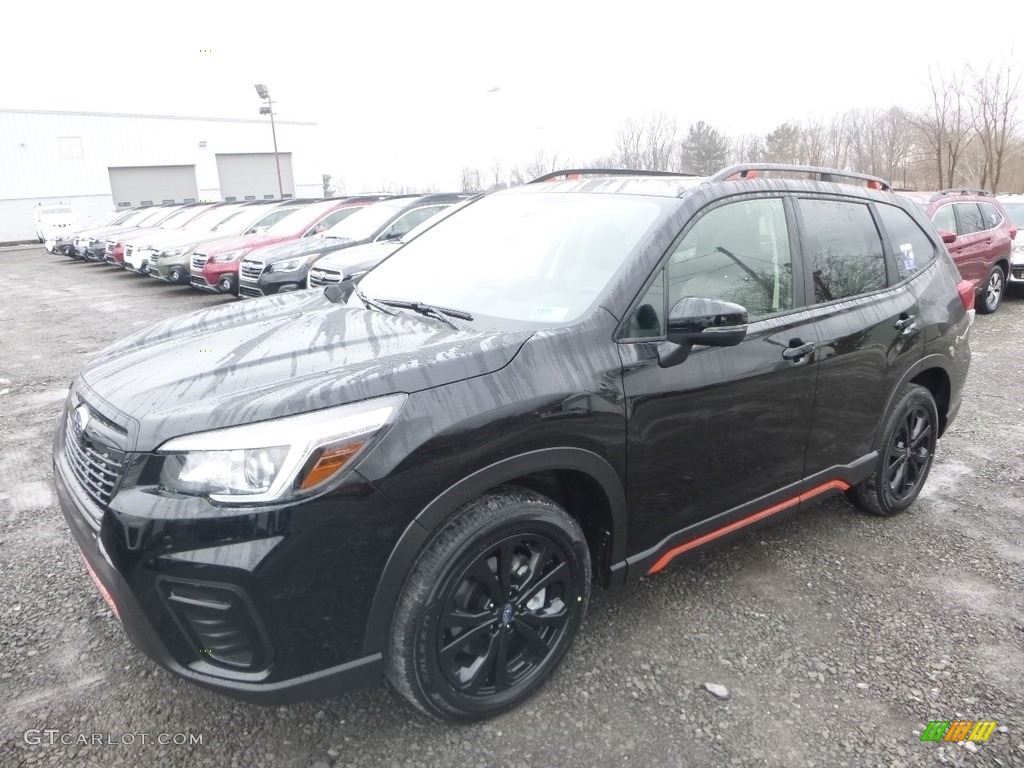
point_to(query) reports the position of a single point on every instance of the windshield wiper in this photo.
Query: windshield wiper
(429, 310)
(372, 303)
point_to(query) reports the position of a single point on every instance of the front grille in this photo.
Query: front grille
(249, 291)
(199, 281)
(219, 623)
(153, 257)
(128, 249)
(109, 247)
(251, 269)
(319, 276)
(198, 261)
(98, 468)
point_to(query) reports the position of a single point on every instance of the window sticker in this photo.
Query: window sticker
(549, 314)
(907, 251)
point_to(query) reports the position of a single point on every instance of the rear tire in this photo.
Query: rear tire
(906, 450)
(490, 607)
(992, 294)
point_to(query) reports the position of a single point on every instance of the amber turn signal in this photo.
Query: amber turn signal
(329, 461)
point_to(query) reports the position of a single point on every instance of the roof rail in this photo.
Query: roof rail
(945, 192)
(575, 173)
(749, 171)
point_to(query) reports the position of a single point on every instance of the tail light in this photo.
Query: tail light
(966, 290)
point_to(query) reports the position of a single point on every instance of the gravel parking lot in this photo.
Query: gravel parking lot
(838, 635)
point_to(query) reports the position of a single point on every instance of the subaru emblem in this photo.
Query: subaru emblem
(80, 420)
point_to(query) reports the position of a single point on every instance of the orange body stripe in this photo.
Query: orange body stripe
(958, 730)
(718, 532)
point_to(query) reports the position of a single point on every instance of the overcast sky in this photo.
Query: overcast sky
(410, 92)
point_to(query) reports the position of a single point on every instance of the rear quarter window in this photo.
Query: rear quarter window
(991, 215)
(912, 250)
(968, 218)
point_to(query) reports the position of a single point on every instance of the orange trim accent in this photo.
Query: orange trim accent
(664, 560)
(102, 588)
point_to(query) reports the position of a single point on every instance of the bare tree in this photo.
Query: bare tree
(497, 176)
(648, 143)
(328, 189)
(746, 148)
(995, 101)
(945, 125)
(704, 150)
(471, 180)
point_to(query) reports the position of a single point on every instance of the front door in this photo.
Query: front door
(727, 425)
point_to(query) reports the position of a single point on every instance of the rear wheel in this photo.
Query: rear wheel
(992, 293)
(490, 607)
(905, 453)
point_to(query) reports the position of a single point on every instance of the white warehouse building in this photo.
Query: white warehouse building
(96, 162)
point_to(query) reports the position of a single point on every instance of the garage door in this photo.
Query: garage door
(254, 176)
(153, 184)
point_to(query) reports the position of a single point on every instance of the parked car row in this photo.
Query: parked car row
(253, 248)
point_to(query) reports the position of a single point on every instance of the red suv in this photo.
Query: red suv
(979, 235)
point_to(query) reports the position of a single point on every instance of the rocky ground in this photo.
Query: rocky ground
(838, 635)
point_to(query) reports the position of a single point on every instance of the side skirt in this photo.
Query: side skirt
(767, 508)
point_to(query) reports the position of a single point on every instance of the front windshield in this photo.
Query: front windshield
(177, 219)
(56, 212)
(1016, 213)
(364, 222)
(537, 258)
(151, 218)
(235, 221)
(212, 219)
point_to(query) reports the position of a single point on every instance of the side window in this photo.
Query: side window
(401, 226)
(968, 217)
(738, 252)
(330, 220)
(843, 247)
(990, 215)
(910, 246)
(944, 220)
(649, 318)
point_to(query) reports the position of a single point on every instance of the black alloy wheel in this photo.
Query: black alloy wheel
(490, 607)
(906, 449)
(503, 615)
(910, 452)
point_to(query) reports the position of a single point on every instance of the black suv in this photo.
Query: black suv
(569, 383)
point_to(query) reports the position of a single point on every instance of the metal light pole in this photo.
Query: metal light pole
(269, 109)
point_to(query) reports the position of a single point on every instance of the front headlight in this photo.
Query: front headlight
(290, 265)
(229, 256)
(276, 460)
(174, 252)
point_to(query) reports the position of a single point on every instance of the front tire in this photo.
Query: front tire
(992, 294)
(490, 607)
(906, 450)
(226, 284)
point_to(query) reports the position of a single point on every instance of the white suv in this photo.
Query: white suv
(1014, 205)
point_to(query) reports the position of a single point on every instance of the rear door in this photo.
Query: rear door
(971, 248)
(867, 323)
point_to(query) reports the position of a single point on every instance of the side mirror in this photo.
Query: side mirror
(705, 322)
(947, 236)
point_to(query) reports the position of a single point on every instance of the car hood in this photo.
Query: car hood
(270, 254)
(244, 242)
(277, 356)
(358, 255)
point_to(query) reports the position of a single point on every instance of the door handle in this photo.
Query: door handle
(905, 321)
(796, 352)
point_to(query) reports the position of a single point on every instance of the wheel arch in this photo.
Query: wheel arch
(932, 373)
(585, 484)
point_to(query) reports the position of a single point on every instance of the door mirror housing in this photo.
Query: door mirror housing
(947, 236)
(706, 322)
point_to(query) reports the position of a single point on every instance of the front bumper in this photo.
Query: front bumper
(1017, 267)
(272, 283)
(212, 274)
(295, 583)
